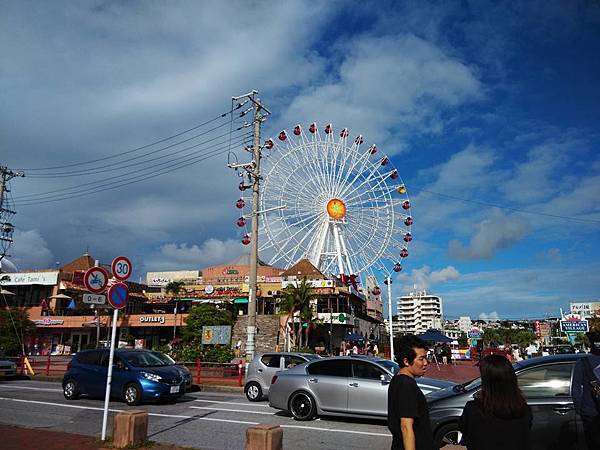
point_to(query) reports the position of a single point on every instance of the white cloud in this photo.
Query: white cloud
(424, 277)
(30, 250)
(493, 316)
(496, 232)
(184, 256)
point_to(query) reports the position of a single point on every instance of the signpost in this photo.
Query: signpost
(117, 298)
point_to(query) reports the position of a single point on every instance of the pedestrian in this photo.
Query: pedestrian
(375, 350)
(587, 405)
(408, 414)
(354, 350)
(238, 348)
(499, 417)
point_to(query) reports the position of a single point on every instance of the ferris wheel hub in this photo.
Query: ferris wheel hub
(336, 209)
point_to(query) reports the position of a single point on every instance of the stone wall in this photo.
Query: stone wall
(266, 338)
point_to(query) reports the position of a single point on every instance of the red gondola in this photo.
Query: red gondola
(344, 133)
(408, 221)
(397, 267)
(385, 161)
(359, 140)
(313, 128)
(241, 222)
(403, 253)
(269, 144)
(406, 204)
(407, 237)
(376, 290)
(329, 129)
(246, 240)
(394, 175)
(240, 203)
(373, 149)
(282, 136)
(297, 130)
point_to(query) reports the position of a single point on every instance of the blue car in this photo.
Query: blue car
(137, 375)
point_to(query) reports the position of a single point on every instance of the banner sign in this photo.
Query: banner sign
(574, 326)
(27, 278)
(216, 335)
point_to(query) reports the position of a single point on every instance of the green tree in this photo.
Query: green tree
(174, 288)
(14, 327)
(463, 340)
(298, 299)
(204, 315)
(508, 336)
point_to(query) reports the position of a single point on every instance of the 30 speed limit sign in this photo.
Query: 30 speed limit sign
(121, 268)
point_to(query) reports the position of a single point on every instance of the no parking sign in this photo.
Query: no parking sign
(117, 295)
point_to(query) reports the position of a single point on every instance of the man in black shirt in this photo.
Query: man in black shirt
(408, 414)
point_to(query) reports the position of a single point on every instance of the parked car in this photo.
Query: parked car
(262, 368)
(546, 384)
(7, 368)
(137, 375)
(342, 386)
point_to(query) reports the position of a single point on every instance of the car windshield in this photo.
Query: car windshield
(390, 366)
(147, 359)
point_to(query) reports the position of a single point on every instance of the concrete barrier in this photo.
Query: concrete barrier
(130, 428)
(264, 437)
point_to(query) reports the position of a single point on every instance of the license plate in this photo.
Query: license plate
(174, 389)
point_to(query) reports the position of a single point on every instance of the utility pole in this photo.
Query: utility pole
(6, 228)
(253, 169)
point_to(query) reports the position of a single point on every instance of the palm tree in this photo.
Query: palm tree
(174, 289)
(297, 299)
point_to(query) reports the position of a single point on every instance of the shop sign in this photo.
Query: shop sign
(574, 326)
(216, 335)
(27, 278)
(586, 310)
(230, 271)
(311, 283)
(335, 318)
(152, 319)
(48, 322)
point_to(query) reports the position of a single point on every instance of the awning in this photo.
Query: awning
(240, 300)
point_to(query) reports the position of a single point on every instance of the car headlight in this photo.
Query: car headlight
(151, 376)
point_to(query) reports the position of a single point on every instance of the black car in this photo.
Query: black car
(545, 383)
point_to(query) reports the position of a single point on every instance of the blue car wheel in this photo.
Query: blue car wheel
(132, 394)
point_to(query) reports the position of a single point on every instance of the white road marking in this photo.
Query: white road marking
(14, 386)
(209, 419)
(232, 410)
(231, 403)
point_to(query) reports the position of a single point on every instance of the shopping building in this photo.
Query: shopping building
(419, 311)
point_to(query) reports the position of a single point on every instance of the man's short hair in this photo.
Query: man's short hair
(406, 348)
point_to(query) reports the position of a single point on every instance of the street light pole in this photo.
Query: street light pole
(391, 328)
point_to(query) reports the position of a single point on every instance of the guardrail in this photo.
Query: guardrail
(202, 371)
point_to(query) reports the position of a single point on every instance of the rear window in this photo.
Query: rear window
(333, 368)
(271, 360)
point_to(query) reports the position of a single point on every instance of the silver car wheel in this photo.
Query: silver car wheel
(452, 437)
(131, 394)
(252, 392)
(70, 389)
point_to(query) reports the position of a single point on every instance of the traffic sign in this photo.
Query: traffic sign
(95, 279)
(94, 299)
(121, 268)
(117, 295)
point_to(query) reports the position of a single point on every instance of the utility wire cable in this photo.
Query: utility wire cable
(111, 180)
(132, 150)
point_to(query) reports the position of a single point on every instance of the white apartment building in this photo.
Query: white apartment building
(419, 311)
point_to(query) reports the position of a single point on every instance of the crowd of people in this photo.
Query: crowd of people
(498, 417)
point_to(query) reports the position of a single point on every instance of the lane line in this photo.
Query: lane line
(232, 410)
(208, 419)
(231, 403)
(12, 386)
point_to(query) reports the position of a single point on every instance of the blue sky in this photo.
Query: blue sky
(478, 103)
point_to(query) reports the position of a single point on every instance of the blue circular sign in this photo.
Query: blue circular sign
(117, 295)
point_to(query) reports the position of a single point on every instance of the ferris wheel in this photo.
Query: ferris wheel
(333, 200)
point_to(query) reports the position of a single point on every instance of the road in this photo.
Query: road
(204, 420)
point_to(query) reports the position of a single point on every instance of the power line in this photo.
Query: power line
(134, 149)
(508, 208)
(239, 139)
(140, 178)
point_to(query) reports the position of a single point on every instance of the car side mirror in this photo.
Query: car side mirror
(385, 379)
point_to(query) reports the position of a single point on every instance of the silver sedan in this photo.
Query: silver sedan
(341, 386)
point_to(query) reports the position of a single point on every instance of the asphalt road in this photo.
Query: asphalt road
(204, 420)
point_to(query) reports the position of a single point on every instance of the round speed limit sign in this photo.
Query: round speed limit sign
(121, 268)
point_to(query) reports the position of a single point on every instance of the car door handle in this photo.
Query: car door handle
(353, 384)
(313, 380)
(259, 370)
(562, 410)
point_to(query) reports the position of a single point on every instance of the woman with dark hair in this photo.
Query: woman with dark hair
(498, 417)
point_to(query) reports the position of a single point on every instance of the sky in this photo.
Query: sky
(490, 112)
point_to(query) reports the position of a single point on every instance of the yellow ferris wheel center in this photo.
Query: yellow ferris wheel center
(336, 209)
